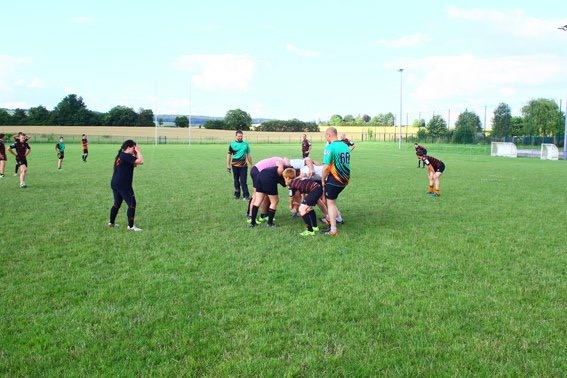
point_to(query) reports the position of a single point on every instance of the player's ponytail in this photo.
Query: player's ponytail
(125, 145)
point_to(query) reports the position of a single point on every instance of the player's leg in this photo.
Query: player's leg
(274, 199)
(258, 199)
(236, 181)
(115, 207)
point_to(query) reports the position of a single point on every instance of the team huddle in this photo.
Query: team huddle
(310, 183)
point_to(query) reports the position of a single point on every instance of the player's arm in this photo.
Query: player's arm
(139, 157)
(249, 159)
(309, 164)
(228, 158)
(11, 151)
(280, 166)
(325, 173)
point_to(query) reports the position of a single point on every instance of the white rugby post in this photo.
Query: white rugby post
(401, 70)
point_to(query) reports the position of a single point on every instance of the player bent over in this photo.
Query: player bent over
(275, 161)
(435, 169)
(267, 185)
(313, 192)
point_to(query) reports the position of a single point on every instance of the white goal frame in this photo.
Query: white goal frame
(549, 151)
(506, 149)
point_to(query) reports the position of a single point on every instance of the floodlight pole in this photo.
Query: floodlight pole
(564, 28)
(401, 70)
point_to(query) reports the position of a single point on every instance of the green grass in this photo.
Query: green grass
(471, 283)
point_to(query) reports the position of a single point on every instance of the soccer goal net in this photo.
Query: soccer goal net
(506, 149)
(549, 151)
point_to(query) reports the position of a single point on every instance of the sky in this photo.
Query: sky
(302, 59)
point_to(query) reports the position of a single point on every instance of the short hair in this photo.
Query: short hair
(239, 132)
(289, 173)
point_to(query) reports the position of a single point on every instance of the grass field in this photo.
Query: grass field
(472, 283)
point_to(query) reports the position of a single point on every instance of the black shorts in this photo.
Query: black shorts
(266, 184)
(61, 155)
(20, 162)
(85, 151)
(441, 169)
(332, 192)
(254, 172)
(313, 196)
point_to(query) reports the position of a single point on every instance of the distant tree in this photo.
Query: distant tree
(541, 117)
(145, 117)
(237, 119)
(39, 116)
(365, 118)
(66, 112)
(292, 125)
(389, 119)
(349, 119)
(181, 121)
(215, 124)
(72, 111)
(437, 127)
(517, 126)
(160, 121)
(5, 118)
(336, 120)
(418, 123)
(19, 117)
(467, 126)
(120, 116)
(501, 123)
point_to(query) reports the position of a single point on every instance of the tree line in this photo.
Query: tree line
(72, 111)
(540, 118)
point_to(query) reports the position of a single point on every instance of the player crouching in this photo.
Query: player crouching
(312, 191)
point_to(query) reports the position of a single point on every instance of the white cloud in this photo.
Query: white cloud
(514, 22)
(9, 66)
(222, 71)
(304, 53)
(81, 20)
(405, 41)
(36, 83)
(450, 79)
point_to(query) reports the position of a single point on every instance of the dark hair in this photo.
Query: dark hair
(1, 135)
(125, 145)
(239, 132)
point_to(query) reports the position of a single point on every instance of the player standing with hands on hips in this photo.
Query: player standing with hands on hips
(23, 149)
(129, 157)
(336, 174)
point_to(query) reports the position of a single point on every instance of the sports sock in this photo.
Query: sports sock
(254, 215)
(307, 220)
(437, 191)
(313, 218)
(430, 188)
(271, 214)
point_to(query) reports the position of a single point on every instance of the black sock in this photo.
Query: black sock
(313, 218)
(307, 220)
(254, 215)
(271, 214)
